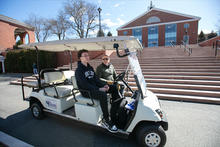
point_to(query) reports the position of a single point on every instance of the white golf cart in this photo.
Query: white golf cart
(56, 92)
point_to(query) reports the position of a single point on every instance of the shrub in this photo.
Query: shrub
(22, 60)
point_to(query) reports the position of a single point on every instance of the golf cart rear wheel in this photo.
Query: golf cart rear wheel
(37, 111)
(151, 136)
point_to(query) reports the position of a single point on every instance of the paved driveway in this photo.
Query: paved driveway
(190, 124)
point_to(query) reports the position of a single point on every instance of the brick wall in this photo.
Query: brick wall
(209, 42)
(192, 31)
(164, 17)
(7, 37)
(161, 35)
(63, 58)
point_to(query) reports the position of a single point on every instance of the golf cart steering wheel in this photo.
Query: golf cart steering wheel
(120, 77)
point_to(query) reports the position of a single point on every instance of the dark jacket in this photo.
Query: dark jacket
(86, 78)
(106, 72)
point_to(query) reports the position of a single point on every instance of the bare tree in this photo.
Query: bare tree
(41, 27)
(59, 26)
(82, 16)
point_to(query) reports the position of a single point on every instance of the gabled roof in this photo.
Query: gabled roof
(15, 22)
(182, 18)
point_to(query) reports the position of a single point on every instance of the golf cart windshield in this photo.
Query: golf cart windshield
(135, 66)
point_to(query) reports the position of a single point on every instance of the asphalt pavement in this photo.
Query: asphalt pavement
(190, 124)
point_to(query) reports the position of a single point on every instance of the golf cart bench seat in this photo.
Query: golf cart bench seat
(55, 84)
(78, 96)
(84, 100)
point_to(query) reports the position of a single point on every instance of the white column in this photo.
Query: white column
(3, 66)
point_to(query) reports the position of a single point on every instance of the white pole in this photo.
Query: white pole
(3, 66)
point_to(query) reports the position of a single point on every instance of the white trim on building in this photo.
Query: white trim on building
(157, 9)
(159, 24)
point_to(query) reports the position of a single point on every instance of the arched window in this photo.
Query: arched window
(153, 19)
(18, 38)
(27, 39)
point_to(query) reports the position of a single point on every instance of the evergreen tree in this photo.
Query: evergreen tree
(100, 33)
(201, 37)
(109, 34)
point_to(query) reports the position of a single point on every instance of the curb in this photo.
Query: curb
(10, 141)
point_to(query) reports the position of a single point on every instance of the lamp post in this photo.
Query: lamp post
(99, 9)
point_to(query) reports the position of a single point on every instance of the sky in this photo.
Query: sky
(118, 12)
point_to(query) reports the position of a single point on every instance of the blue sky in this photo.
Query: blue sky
(117, 12)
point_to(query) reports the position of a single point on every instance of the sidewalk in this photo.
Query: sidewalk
(9, 141)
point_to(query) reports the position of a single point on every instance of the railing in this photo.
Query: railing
(172, 43)
(186, 48)
(217, 46)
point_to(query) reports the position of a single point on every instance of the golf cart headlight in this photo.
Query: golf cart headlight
(160, 113)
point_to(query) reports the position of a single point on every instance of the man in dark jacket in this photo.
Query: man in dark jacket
(87, 80)
(106, 71)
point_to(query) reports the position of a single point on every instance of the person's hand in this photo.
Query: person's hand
(106, 87)
(103, 89)
(110, 82)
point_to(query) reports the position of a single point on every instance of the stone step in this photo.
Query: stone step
(180, 86)
(178, 73)
(181, 77)
(187, 98)
(205, 93)
(178, 70)
(173, 67)
(177, 81)
(200, 99)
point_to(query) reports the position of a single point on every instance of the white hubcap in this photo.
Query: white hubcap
(36, 111)
(152, 140)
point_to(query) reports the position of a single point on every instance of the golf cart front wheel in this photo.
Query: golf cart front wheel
(151, 136)
(37, 111)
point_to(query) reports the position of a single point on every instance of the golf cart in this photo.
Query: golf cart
(56, 92)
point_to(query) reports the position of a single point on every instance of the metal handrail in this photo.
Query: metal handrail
(172, 44)
(186, 48)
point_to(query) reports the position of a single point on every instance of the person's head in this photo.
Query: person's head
(105, 59)
(83, 56)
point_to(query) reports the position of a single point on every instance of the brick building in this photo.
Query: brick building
(10, 29)
(158, 27)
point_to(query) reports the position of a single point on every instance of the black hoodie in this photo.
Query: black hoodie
(86, 78)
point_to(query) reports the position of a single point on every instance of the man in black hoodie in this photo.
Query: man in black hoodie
(87, 80)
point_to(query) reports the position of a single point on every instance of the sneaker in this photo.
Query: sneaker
(112, 129)
(130, 106)
(109, 127)
(104, 124)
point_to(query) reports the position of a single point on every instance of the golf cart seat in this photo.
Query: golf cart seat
(55, 87)
(78, 96)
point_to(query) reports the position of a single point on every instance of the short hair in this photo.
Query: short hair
(80, 52)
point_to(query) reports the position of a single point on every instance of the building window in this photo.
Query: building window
(186, 25)
(170, 34)
(137, 33)
(27, 39)
(153, 19)
(153, 36)
(125, 33)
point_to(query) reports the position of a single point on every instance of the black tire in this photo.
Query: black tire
(37, 110)
(151, 136)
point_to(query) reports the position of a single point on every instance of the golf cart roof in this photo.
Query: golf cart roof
(92, 44)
